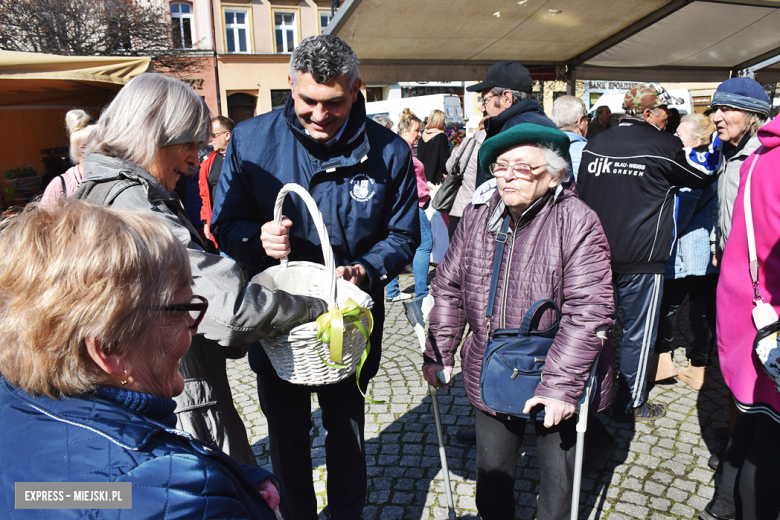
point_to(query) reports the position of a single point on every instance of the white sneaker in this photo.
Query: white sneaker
(401, 297)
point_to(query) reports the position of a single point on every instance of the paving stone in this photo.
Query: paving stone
(659, 471)
(659, 504)
(683, 510)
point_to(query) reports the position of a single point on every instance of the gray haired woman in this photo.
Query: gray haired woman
(740, 106)
(146, 138)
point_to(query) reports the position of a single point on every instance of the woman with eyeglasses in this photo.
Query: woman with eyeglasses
(146, 139)
(90, 343)
(554, 249)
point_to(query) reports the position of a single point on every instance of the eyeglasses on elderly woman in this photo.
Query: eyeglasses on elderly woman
(196, 309)
(500, 169)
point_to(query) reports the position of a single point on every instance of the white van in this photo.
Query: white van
(421, 106)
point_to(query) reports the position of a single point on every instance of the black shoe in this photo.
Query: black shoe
(467, 436)
(713, 461)
(707, 514)
(602, 449)
(647, 412)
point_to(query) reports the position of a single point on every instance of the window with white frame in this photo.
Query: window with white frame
(325, 18)
(237, 30)
(181, 21)
(286, 32)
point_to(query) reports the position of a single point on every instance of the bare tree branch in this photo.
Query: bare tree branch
(94, 28)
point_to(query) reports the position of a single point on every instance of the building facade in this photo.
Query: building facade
(254, 40)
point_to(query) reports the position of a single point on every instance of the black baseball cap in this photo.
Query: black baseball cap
(505, 74)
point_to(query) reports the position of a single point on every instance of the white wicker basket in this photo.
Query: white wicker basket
(298, 356)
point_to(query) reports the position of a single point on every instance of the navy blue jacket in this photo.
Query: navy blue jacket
(527, 111)
(89, 439)
(364, 186)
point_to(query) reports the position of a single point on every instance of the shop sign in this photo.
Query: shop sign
(611, 85)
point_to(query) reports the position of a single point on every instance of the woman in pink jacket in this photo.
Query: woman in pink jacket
(750, 477)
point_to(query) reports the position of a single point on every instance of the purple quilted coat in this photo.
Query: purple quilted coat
(558, 251)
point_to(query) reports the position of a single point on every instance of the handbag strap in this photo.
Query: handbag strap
(500, 243)
(525, 327)
(460, 156)
(64, 187)
(751, 237)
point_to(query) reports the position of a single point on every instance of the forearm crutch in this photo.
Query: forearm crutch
(582, 427)
(417, 321)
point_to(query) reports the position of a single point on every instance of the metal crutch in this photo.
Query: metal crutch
(417, 321)
(582, 427)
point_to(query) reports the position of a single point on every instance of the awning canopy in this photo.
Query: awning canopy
(640, 40)
(44, 80)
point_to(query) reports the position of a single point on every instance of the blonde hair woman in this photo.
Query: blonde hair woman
(91, 337)
(689, 270)
(80, 130)
(433, 150)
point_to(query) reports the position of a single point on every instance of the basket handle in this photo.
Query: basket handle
(327, 252)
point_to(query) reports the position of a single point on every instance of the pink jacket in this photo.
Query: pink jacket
(423, 193)
(558, 251)
(53, 191)
(741, 370)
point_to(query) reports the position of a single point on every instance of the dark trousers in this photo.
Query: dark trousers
(701, 316)
(751, 481)
(639, 296)
(498, 441)
(452, 226)
(288, 410)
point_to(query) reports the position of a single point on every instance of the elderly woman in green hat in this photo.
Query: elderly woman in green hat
(554, 249)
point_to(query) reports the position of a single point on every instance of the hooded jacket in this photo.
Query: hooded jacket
(527, 111)
(364, 186)
(736, 332)
(557, 251)
(91, 439)
(629, 175)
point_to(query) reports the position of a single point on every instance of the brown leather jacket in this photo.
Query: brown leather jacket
(558, 251)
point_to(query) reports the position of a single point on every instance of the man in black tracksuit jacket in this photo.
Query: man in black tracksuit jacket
(629, 176)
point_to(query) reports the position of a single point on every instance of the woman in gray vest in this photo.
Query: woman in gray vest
(145, 139)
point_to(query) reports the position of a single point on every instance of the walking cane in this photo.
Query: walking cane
(417, 321)
(582, 427)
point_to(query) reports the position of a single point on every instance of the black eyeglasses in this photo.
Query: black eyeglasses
(196, 309)
(486, 99)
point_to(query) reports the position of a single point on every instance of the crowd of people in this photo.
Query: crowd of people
(113, 353)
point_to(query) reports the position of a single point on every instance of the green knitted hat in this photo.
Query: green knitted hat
(525, 133)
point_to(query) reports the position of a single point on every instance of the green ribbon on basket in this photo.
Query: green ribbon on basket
(330, 330)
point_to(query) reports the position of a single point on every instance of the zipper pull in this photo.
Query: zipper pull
(514, 374)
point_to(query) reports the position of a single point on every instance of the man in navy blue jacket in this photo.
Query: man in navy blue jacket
(361, 176)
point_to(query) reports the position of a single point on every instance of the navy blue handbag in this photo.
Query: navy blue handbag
(514, 358)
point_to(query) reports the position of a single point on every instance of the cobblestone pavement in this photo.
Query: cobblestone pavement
(659, 471)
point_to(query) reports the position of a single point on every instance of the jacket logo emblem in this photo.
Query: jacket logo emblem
(361, 187)
(599, 167)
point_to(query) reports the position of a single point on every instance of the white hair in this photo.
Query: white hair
(566, 111)
(149, 113)
(383, 120)
(557, 166)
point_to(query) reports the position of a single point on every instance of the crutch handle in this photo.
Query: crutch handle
(443, 376)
